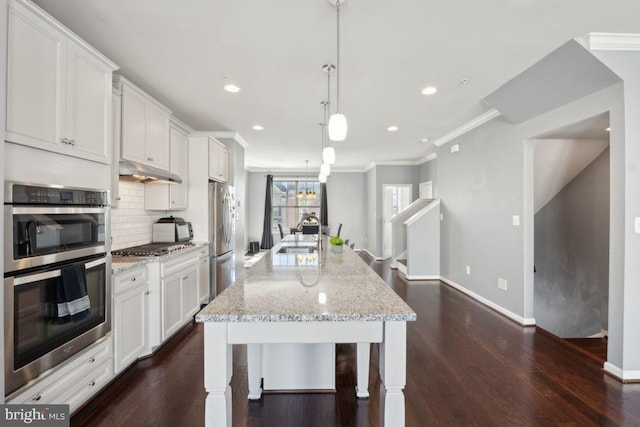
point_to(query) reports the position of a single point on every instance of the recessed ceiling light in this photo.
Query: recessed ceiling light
(392, 128)
(257, 127)
(608, 129)
(429, 90)
(230, 86)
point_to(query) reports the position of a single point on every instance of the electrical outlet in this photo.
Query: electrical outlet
(516, 220)
(637, 225)
(441, 217)
(468, 271)
(502, 284)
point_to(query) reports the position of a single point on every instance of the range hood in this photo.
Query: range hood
(144, 173)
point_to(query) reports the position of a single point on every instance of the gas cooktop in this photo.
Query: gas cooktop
(153, 249)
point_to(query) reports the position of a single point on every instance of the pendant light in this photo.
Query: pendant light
(337, 121)
(328, 153)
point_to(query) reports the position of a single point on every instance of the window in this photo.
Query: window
(291, 199)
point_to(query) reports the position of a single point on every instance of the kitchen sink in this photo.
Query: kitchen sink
(297, 249)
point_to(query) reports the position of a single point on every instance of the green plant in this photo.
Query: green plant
(336, 241)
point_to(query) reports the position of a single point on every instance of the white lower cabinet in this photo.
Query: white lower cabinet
(179, 287)
(75, 381)
(171, 313)
(130, 327)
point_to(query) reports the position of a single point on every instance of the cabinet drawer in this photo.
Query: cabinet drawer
(127, 280)
(179, 264)
(83, 388)
(59, 379)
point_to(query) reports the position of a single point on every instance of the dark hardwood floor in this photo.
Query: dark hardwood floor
(466, 366)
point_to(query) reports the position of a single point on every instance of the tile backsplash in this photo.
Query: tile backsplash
(130, 222)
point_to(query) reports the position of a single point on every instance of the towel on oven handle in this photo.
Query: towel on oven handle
(72, 299)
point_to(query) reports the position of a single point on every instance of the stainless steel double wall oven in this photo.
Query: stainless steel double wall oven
(57, 276)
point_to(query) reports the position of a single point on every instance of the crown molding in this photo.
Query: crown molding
(428, 158)
(611, 41)
(230, 135)
(470, 125)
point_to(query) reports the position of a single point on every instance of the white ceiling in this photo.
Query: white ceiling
(180, 51)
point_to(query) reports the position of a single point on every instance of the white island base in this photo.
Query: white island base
(285, 367)
(220, 336)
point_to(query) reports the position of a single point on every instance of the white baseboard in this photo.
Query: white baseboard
(402, 268)
(492, 305)
(622, 375)
(418, 277)
(377, 258)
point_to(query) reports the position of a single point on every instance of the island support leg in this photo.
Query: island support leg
(218, 368)
(254, 370)
(363, 353)
(393, 371)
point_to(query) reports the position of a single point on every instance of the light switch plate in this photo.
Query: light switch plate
(455, 148)
(468, 271)
(637, 224)
(502, 284)
(441, 217)
(516, 220)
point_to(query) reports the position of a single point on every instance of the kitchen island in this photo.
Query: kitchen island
(299, 295)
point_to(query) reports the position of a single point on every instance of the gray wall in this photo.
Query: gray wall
(428, 172)
(624, 274)
(347, 203)
(387, 175)
(481, 188)
(572, 255)
(372, 213)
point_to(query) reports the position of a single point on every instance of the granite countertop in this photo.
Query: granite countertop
(295, 287)
(120, 264)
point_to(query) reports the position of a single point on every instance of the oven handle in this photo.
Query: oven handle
(17, 281)
(57, 210)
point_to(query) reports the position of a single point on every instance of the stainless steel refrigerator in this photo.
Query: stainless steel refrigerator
(222, 228)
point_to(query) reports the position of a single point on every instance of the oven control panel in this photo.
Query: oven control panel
(40, 195)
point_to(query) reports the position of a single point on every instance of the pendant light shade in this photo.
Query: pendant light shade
(322, 178)
(337, 127)
(328, 155)
(325, 169)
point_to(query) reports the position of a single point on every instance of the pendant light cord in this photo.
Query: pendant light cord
(338, 58)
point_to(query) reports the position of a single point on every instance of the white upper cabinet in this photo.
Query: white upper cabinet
(145, 127)
(218, 161)
(59, 94)
(172, 196)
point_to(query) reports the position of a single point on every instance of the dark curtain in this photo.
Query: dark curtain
(267, 237)
(324, 211)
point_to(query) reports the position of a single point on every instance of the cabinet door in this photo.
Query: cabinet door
(35, 85)
(203, 280)
(130, 326)
(179, 158)
(88, 112)
(190, 301)
(157, 137)
(218, 161)
(171, 305)
(134, 126)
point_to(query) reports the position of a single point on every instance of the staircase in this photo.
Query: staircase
(415, 235)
